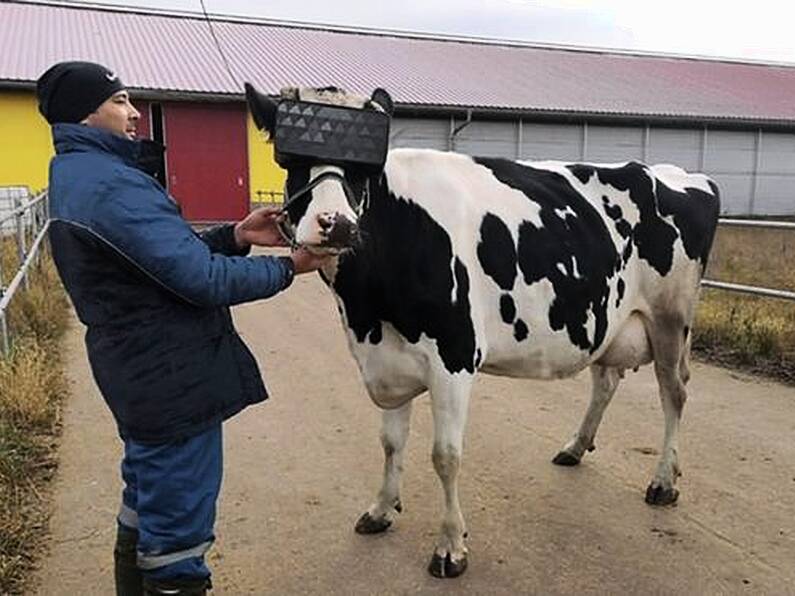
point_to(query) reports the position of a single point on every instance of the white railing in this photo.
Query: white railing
(29, 221)
(755, 290)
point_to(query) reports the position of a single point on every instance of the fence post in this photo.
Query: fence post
(37, 220)
(21, 252)
(4, 333)
(3, 325)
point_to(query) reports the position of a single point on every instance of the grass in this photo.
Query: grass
(31, 389)
(748, 331)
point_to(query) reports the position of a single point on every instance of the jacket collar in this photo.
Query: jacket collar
(70, 138)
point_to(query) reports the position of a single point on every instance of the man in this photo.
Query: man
(154, 297)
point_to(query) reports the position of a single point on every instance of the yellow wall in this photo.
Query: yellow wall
(263, 172)
(25, 141)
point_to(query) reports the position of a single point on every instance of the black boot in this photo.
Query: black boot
(129, 581)
(177, 587)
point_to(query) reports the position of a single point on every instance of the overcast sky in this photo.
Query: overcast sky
(759, 30)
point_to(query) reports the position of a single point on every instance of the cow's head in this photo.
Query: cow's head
(330, 142)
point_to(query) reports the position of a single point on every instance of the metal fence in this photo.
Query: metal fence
(11, 197)
(23, 223)
(755, 290)
(266, 197)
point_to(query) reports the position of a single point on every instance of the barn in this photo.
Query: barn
(732, 119)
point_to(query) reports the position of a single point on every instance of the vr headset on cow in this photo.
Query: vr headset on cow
(307, 133)
(311, 127)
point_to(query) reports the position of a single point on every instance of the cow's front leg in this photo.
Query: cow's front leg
(450, 400)
(394, 434)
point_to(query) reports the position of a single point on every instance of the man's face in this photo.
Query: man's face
(117, 115)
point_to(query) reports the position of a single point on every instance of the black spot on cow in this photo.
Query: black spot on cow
(497, 251)
(613, 211)
(695, 214)
(478, 358)
(652, 235)
(621, 288)
(376, 335)
(550, 251)
(507, 309)
(520, 330)
(623, 227)
(627, 254)
(582, 172)
(401, 274)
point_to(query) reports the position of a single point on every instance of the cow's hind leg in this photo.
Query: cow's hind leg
(670, 366)
(394, 434)
(604, 382)
(450, 401)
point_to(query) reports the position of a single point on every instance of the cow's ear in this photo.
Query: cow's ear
(263, 109)
(384, 100)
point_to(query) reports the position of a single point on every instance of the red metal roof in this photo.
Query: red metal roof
(177, 53)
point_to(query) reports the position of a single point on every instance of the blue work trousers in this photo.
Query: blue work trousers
(170, 496)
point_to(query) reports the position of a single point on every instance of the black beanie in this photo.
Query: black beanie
(70, 91)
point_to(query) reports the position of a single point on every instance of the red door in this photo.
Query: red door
(206, 161)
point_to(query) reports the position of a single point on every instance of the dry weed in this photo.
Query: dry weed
(31, 386)
(755, 332)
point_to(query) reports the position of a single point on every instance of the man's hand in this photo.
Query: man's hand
(305, 261)
(260, 227)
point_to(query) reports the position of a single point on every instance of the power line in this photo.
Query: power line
(217, 44)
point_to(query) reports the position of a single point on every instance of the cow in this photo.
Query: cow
(446, 265)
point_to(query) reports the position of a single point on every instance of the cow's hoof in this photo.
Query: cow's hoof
(368, 524)
(445, 567)
(564, 458)
(657, 495)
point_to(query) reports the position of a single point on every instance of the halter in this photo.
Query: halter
(357, 206)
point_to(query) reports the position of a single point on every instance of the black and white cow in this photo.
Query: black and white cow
(458, 265)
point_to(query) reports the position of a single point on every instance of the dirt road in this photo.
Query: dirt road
(302, 467)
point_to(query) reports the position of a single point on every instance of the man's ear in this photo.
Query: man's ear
(383, 99)
(262, 108)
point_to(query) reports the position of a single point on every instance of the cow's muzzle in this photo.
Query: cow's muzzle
(337, 231)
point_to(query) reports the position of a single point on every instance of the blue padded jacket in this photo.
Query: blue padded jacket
(153, 294)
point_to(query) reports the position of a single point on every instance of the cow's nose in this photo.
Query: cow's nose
(325, 221)
(341, 231)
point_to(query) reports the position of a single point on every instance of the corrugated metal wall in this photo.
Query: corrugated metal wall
(755, 170)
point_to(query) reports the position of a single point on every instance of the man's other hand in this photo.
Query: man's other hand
(305, 260)
(260, 227)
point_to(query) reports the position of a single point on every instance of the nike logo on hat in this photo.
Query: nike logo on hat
(110, 76)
